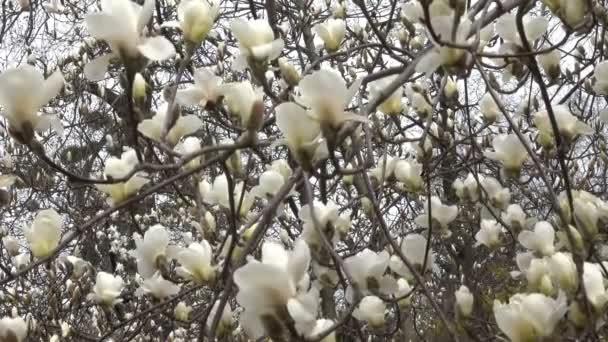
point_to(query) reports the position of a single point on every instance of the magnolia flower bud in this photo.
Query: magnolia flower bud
(139, 87)
(11, 244)
(288, 72)
(182, 312)
(196, 18)
(464, 301)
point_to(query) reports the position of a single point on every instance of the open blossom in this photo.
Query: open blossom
(499, 197)
(529, 317)
(206, 90)
(393, 104)
(44, 234)
(540, 240)
(149, 249)
(302, 133)
(488, 108)
(371, 310)
(121, 24)
(563, 271)
(409, 173)
(467, 190)
(550, 63)
(184, 125)
(572, 13)
(196, 18)
(367, 269)
(325, 93)
(569, 125)
(21, 104)
(418, 101)
(270, 288)
(219, 194)
(385, 168)
(195, 262)
(509, 150)
(188, 146)
(332, 33)
(331, 223)
(13, 329)
(506, 27)
(600, 73)
(515, 217)
(107, 289)
(159, 287)
(441, 215)
(413, 248)
(256, 42)
(117, 168)
(595, 290)
(488, 234)
(246, 102)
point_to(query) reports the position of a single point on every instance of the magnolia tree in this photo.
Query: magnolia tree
(350, 170)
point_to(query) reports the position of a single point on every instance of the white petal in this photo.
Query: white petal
(157, 48)
(96, 69)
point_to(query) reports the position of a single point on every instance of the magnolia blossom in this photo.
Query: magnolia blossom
(488, 108)
(321, 326)
(600, 73)
(441, 215)
(538, 275)
(593, 281)
(515, 217)
(247, 103)
(385, 168)
(563, 271)
(184, 125)
(117, 168)
(11, 245)
(467, 190)
(409, 173)
(149, 249)
(367, 270)
(529, 317)
(464, 301)
(288, 72)
(506, 27)
(188, 146)
(392, 105)
(13, 329)
(325, 93)
(509, 150)
(418, 101)
(44, 234)
(270, 288)
(412, 11)
(550, 63)
(21, 104)
(226, 319)
(182, 312)
(270, 182)
(331, 223)
(371, 310)
(107, 289)
(120, 23)
(568, 125)
(414, 249)
(256, 42)
(158, 287)
(219, 194)
(206, 90)
(196, 262)
(332, 33)
(499, 197)
(488, 234)
(572, 13)
(196, 18)
(540, 240)
(302, 133)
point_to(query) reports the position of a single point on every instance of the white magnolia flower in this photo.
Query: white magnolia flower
(393, 104)
(464, 301)
(321, 326)
(332, 33)
(385, 168)
(13, 329)
(572, 13)
(120, 23)
(288, 72)
(510, 151)
(418, 101)
(550, 62)
(245, 102)
(529, 317)
(206, 90)
(467, 190)
(506, 27)
(159, 287)
(107, 289)
(413, 248)
(538, 275)
(256, 42)
(404, 289)
(21, 104)
(195, 262)
(569, 126)
(330, 221)
(44, 234)
(282, 166)
(219, 194)
(188, 146)
(196, 18)
(11, 245)
(226, 319)
(441, 55)
(325, 93)
(488, 108)
(184, 125)
(593, 281)
(149, 249)
(600, 73)
(371, 309)
(367, 270)
(441, 215)
(79, 266)
(540, 240)
(515, 217)
(409, 173)
(488, 234)
(269, 288)
(302, 133)
(138, 91)
(563, 271)
(270, 182)
(412, 11)
(118, 168)
(182, 312)
(499, 197)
